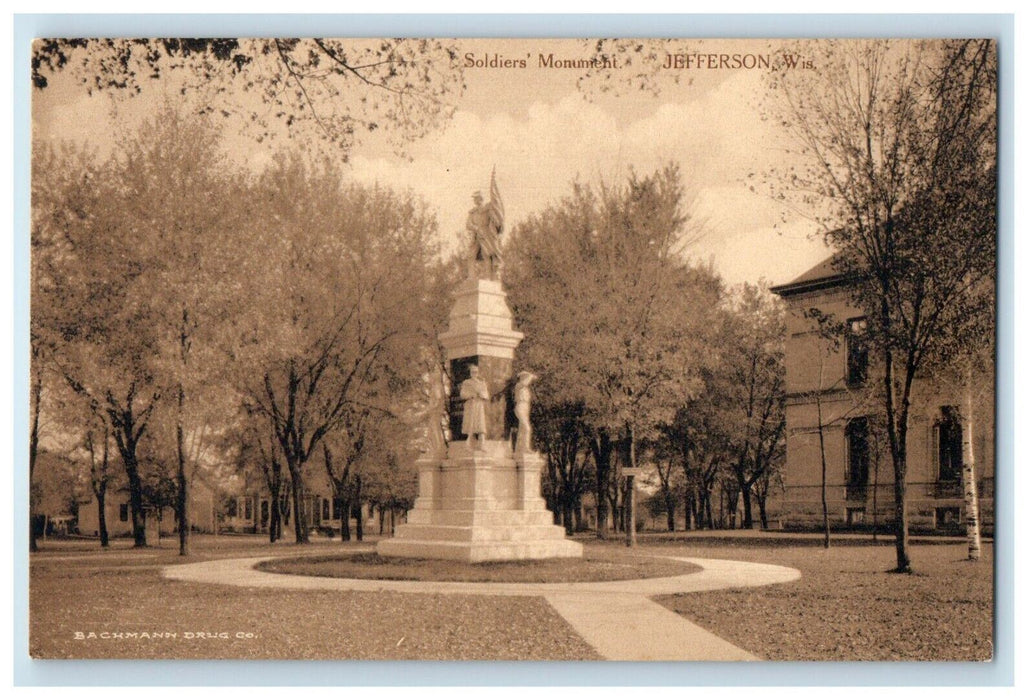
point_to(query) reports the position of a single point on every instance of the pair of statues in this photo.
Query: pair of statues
(474, 392)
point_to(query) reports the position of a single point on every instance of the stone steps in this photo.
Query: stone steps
(479, 551)
(481, 518)
(459, 533)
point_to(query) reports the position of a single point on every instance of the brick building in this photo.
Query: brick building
(859, 473)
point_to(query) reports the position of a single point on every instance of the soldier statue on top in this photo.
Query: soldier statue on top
(485, 226)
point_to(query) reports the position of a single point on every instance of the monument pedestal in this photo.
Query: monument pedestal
(480, 506)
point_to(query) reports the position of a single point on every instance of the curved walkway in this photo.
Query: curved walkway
(617, 618)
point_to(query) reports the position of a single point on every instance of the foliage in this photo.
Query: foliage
(755, 361)
(340, 305)
(612, 314)
(321, 90)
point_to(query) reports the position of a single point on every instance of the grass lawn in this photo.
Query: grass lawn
(609, 565)
(79, 589)
(846, 607)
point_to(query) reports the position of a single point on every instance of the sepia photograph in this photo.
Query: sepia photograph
(513, 349)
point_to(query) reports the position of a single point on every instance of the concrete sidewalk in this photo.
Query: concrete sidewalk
(617, 618)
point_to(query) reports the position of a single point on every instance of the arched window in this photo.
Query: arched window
(949, 431)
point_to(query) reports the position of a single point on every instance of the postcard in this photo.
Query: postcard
(513, 349)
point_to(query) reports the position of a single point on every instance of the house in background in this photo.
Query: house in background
(202, 509)
(859, 479)
(249, 506)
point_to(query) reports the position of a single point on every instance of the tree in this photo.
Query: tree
(699, 434)
(101, 475)
(100, 324)
(610, 309)
(666, 466)
(320, 90)
(252, 441)
(174, 185)
(561, 433)
(59, 195)
(754, 357)
(342, 300)
(900, 141)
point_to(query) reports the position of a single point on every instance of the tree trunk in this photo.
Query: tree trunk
(822, 458)
(970, 494)
(343, 519)
(896, 423)
(603, 463)
(688, 508)
(876, 469)
(670, 507)
(297, 492)
(182, 516)
(34, 442)
(136, 501)
(748, 521)
(359, 520)
(763, 516)
(275, 522)
(346, 513)
(102, 518)
(630, 487)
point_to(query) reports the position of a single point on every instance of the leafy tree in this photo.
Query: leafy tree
(340, 306)
(900, 142)
(608, 308)
(561, 433)
(101, 473)
(671, 483)
(699, 435)
(754, 358)
(252, 441)
(102, 328)
(322, 90)
(174, 186)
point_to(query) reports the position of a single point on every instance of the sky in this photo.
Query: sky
(540, 132)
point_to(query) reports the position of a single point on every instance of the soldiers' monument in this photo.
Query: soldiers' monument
(479, 494)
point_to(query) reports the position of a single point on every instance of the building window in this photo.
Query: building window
(950, 445)
(857, 437)
(337, 509)
(855, 517)
(947, 518)
(857, 352)
(247, 509)
(231, 507)
(264, 510)
(124, 512)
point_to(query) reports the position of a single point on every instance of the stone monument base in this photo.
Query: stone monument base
(480, 506)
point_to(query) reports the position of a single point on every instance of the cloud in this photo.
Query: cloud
(715, 135)
(717, 140)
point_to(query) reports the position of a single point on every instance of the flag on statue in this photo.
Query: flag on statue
(495, 204)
